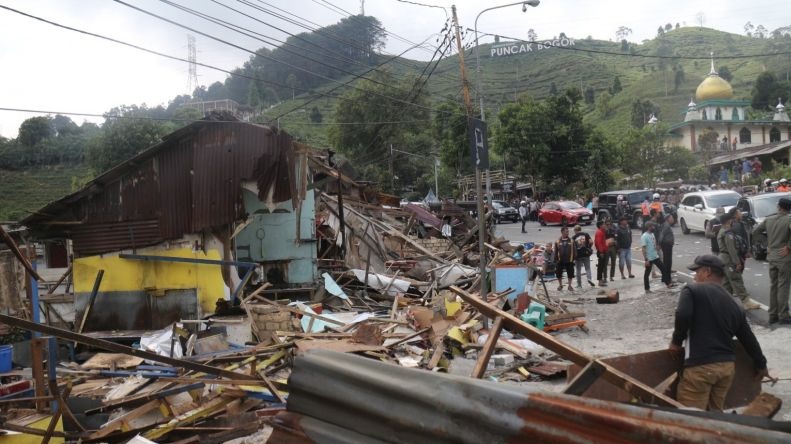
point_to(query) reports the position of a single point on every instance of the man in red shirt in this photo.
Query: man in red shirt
(600, 242)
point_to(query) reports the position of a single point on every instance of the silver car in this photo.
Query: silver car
(755, 209)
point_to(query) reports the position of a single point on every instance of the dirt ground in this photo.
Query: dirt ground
(643, 322)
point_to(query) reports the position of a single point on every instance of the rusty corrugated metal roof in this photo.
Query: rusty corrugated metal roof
(187, 183)
(336, 397)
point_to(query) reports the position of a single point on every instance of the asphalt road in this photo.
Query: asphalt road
(687, 247)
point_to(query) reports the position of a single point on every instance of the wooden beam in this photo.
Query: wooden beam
(488, 349)
(584, 379)
(60, 281)
(15, 249)
(118, 348)
(612, 375)
(96, 283)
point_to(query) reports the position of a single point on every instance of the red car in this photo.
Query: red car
(564, 213)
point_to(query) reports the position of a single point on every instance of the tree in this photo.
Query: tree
(315, 115)
(64, 126)
(291, 81)
(767, 89)
(450, 131)
(761, 32)
(624, 46)
(660, 32)
(590, 95)
(677, 25)
(34, 130)
(668, 27)
(254, 96)
(623, 33)
(604, 104)
(678, 78)
(725, 73)
(643, 152)
(616, 86)
(217, 91)
(553, 89)
(368, 145)
(531, 35)
(708, 143)
(538, 134)
(642, 110)
(748, 29)
(124, 136)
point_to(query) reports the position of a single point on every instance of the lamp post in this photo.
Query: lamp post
(524, 4)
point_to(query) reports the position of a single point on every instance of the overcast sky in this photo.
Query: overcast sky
(52, 69)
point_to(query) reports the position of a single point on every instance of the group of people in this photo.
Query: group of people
(707, 316)
(741, 171)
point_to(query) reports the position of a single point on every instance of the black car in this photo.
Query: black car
(755, 209)
(503, 211)
(632, 199)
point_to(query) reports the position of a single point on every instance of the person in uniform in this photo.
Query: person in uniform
(778, 252)
(733, 252)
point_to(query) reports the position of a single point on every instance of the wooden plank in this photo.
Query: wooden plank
(60, 280)
(439, 350)
(118, 348)
(96, 283)
(12, 245)
(765, 405)
(557, 317)
(300, 312)
(560, 326)
(515, 325)
(584, 379)
(488, 348)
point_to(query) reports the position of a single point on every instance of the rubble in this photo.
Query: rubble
(384, 286)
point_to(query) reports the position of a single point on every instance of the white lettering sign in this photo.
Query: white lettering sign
(513, 48)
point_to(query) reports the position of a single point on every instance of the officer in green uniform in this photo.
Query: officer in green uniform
(733, 252)
(778, 235)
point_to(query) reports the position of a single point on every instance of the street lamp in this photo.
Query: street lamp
(524, 4)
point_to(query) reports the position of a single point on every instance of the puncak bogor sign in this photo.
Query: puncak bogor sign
(513, 48)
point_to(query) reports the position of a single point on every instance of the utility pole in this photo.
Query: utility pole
(478, 188)
(436, 177)
(392, 171)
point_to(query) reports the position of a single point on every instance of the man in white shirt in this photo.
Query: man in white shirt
(523, 212)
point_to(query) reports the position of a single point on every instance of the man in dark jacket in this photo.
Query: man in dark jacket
(584, 244)
(665, 238)
(566, 252)
(623, 237)
(707, 319)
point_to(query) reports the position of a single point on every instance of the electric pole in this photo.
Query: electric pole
(478, 188)
(192, 57)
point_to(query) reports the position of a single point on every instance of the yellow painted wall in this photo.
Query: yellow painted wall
(154, 276)
(23, 438)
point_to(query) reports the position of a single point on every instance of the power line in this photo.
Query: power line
(384, 96)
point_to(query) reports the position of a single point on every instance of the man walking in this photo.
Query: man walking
(584, 245)
(733, 252)
(778, 245)
(623, 236)
(600, 241)
(612, 246)
(707, 318)
(651, 257)
(523, 214)
(566, 251)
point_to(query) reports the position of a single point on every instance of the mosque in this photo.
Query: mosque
(714, 109)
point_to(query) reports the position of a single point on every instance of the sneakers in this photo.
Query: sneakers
(750, 305)
(623, 276)
(560, 287)
(648, 290)
(631, 276)
(579, 285)
(571, 288)
(591, 282)
(773, 319)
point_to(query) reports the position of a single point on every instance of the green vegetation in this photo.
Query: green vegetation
(22, 192)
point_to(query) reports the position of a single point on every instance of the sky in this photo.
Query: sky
(47, 68)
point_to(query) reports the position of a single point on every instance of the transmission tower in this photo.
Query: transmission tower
(362, 7)
(193, 68)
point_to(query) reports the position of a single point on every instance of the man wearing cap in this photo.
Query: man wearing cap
(523, 214)
(783, 186)
(778, 251)
(707, 319)
(733, 248)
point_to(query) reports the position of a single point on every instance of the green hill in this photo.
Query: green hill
(22, 192)
(588, 63)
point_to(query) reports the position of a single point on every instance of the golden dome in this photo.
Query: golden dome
(714, 87)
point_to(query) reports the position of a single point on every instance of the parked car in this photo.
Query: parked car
(698, 208)
(564, 212)
(608, 205)
(503, 211)
(755, 209)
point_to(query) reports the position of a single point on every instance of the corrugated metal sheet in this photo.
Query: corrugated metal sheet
(100, 238)
(346, 398)
(187, 183)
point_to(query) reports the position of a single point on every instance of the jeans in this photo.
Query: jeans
(612, 254)
(583, 262)
(625, 259)
(662, 268)
(524, 219)
(667, 257)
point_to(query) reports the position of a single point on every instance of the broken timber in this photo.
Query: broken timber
(610, 374)
(118, 348)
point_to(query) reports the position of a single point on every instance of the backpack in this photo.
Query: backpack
(583, 246)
